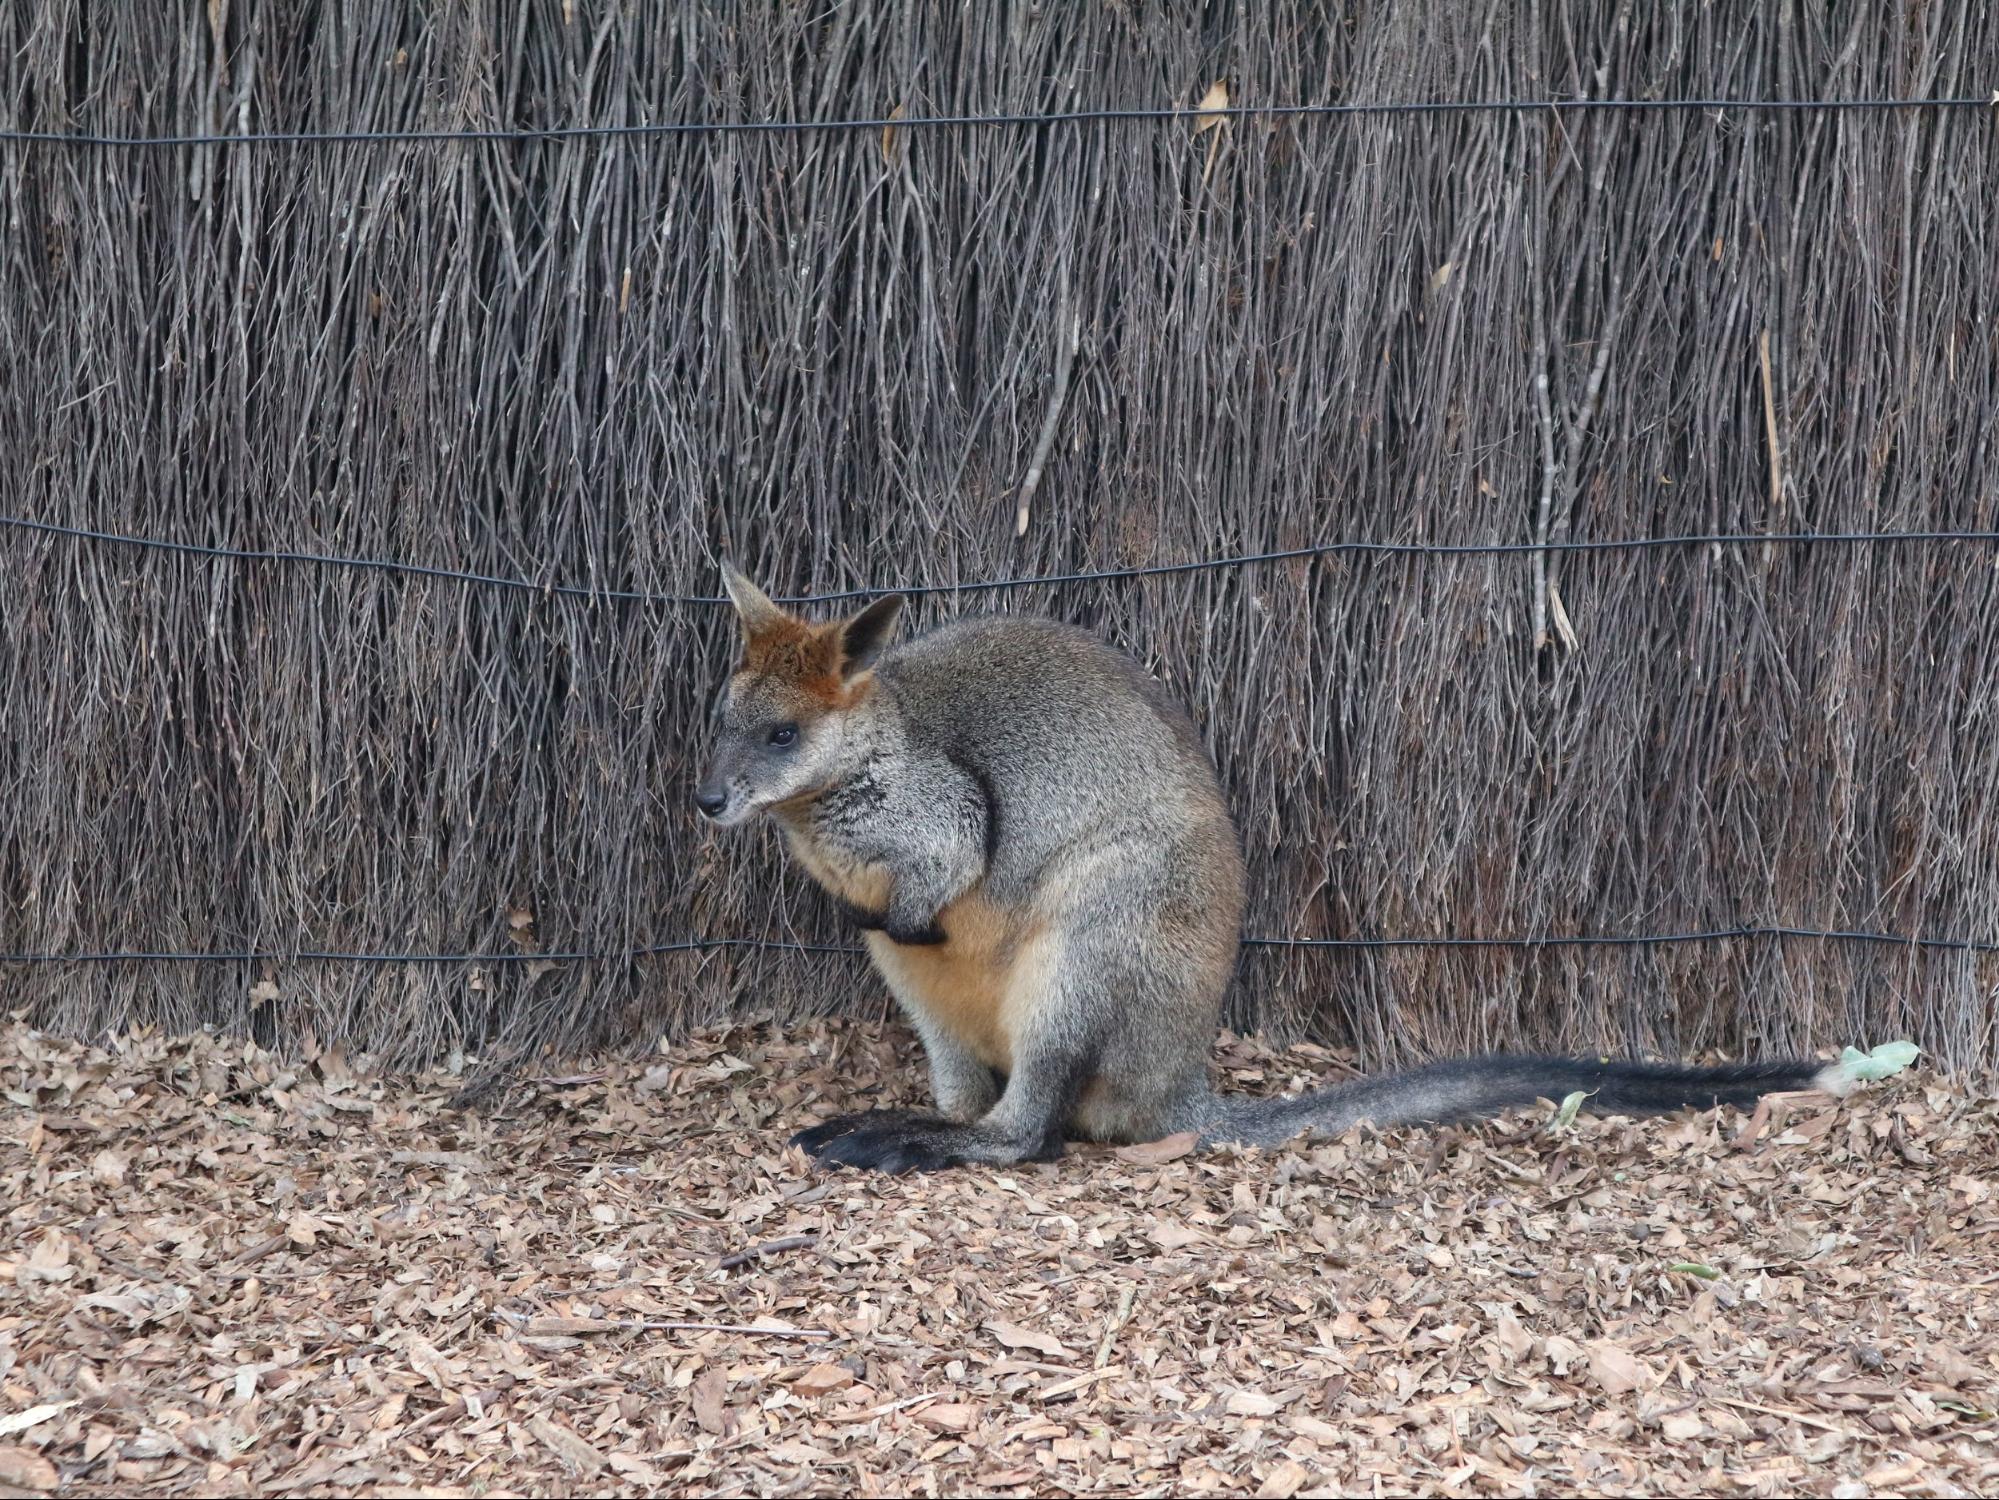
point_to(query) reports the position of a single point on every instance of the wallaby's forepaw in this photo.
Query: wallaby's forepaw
(926, 934)
(885, 1140)
(861, 917)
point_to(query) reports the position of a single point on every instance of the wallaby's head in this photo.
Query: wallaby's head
(781, 724)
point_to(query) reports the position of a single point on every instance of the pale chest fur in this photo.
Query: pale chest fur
(855, 881)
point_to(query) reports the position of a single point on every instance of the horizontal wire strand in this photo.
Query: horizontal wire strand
(924, 122)
(986, 585)
(785, 945)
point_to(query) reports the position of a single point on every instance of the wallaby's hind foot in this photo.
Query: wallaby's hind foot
(888, 1140)
(815, 1138)
(899, 1140)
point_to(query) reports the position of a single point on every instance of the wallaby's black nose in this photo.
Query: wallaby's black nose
(711, 803)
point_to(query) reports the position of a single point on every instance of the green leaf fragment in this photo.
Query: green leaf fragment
(1885, 1061)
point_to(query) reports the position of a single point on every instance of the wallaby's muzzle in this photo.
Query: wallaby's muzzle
(726, 795)
(717, 790)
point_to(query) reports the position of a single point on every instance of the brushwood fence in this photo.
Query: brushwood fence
(1549, 446)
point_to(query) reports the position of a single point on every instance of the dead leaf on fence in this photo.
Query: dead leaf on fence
(1558, 612)
(1216, 98)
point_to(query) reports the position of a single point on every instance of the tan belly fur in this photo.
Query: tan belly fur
(978, 984)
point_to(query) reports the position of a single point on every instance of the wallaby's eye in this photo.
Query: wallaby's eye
(783, 735)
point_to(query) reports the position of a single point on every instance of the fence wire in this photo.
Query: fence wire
(1188, 113)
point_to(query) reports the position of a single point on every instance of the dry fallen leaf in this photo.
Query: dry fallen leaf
(636, 1469)
(573, 1451)
(793, 1452)
(1156, 1153)
(710, 1410)
(1616, 1369)
(23, 1468)
(1169, 1236)
(1016, 1337)
(1251, 1404)
(33, 1416)
(1948, 1364)
(822, 1380)
(1310, 1426)
(431, 1365)
(1682, 1427)
(949, 1416)
(1515, 1340)
(1563, 1353)
(1284, 1481)
(1893, 1476)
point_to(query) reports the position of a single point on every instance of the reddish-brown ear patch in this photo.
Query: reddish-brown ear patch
(804, 656)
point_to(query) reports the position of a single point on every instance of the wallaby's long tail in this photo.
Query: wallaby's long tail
(1475, 1088)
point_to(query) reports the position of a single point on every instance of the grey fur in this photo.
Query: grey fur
(1015, 797)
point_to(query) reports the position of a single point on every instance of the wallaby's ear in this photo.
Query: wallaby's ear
(862, 638)
(753, 606)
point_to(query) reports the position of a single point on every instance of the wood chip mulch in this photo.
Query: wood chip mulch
(222, 1273)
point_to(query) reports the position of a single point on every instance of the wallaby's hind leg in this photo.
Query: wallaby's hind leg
(964, 1089)
(962, 1086)
(1026, 1124)
(1108, 1030)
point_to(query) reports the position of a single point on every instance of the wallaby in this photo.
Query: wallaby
(1032, 835)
